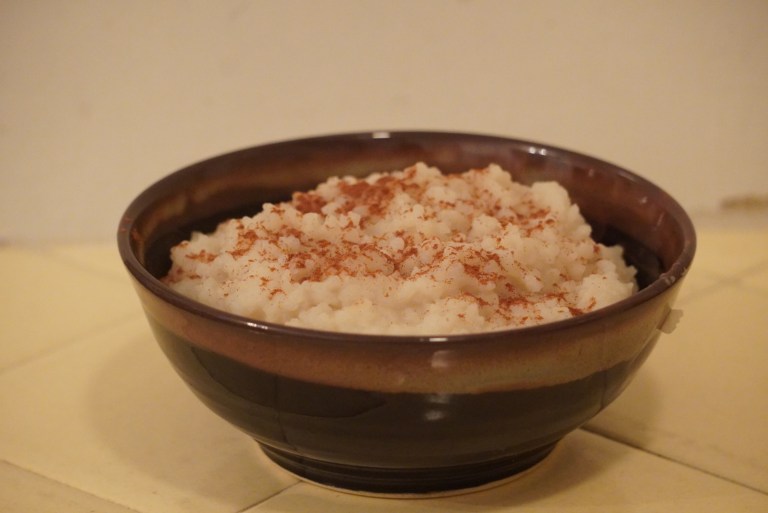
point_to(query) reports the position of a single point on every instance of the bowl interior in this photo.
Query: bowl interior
(621, 207)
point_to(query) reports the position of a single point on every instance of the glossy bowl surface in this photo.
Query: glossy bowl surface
(381, 414)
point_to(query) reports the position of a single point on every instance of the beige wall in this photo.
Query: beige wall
(100, 98)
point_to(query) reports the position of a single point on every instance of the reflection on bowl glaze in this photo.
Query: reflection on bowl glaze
(405, 414)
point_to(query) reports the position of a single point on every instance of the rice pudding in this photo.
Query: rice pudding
(410, 252)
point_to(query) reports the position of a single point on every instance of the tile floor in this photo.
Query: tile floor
(94, 419)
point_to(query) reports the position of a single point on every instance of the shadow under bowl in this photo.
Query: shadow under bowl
(402, 414)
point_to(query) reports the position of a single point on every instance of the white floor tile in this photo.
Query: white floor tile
(701, 397)
(47, 303)
(99, 257)
(26, 492)
(729, 252)
(757, 279)
(95, 419)
(586, 473)
(109, 416)
(697, 283)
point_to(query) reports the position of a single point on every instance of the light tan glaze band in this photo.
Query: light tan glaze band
(512, 360)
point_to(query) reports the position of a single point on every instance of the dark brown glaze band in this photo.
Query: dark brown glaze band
(379, 442)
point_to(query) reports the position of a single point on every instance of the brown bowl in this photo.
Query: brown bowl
(402, 414)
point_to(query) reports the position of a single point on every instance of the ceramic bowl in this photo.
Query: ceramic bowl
(402, 414)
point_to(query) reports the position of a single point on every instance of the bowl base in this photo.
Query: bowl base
(408, 482)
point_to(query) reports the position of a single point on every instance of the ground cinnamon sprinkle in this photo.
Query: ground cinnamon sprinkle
(411, 251)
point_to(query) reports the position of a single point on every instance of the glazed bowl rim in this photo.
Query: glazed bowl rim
(665, 280)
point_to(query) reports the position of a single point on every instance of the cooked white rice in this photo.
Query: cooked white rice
(407, 252)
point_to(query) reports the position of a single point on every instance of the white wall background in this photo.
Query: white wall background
(100, 98)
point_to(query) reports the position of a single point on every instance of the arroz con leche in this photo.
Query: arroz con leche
(414, 252)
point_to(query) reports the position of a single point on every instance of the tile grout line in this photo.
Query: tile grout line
(120, 321)
(50, 252)
(732, 280)
(68, 486)
(269, 497)
(717, 279)
(597, 432)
